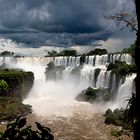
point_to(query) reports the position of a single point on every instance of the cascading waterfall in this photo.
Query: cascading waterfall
(124, 92)
(101, 79)
(60, 94)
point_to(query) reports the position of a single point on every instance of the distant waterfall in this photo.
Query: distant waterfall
(96, 60)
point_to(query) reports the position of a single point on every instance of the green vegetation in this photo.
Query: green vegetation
(11, 107)
(6, 53)
(14, 86)
(98, 52)
(68, 53)
(116, 133)
(122, 68)
(62, 53)
(52, 53)
(3, 85)
(87, 95)
(94, 95)
(18, 130)
(19, 82)
(118, 118)
(120, 133)
(130, 50)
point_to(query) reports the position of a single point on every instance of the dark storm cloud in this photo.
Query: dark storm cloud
(79, 21)
(53, 39)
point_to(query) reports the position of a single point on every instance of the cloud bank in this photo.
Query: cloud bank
(59, 22)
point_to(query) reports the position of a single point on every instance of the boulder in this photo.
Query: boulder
(94, 95)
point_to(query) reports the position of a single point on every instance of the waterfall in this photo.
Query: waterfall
(124, 92)
(101, 79)
(92, 73)
(88, 74)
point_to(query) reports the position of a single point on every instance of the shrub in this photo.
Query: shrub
(68, 53)
(52, 53)
(121, 68)
(3, 88)
(119, 117)
(94, 95)
(62, 53)
(108, 112)
(18, 130)
(97, 52)
(117, 133)
(7, 53)
(11, 107)
(130, 50)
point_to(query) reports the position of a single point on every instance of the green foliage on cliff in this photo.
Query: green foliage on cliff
(118, 117)
(18, 130)
(94, 95)
(130, 50)
(97, 52)
(88, 95)
(62, 53)
(11, 107)
(122, 68)
(14, 86)
(3, 85)
(19, 82)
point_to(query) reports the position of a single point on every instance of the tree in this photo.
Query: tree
(134, 23)
(97, 51)
(7, 53)
(136, 101)
(52, 53)
(68, 53)
(130, 50)
(126, 19)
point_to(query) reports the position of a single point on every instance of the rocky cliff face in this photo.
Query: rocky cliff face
(19, 83)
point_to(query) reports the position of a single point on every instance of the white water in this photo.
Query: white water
(56, 98)
(52, 98)
(123, 95)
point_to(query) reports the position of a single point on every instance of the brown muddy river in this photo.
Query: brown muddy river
(84, 124)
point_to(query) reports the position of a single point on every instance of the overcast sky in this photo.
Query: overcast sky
(63, 23)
